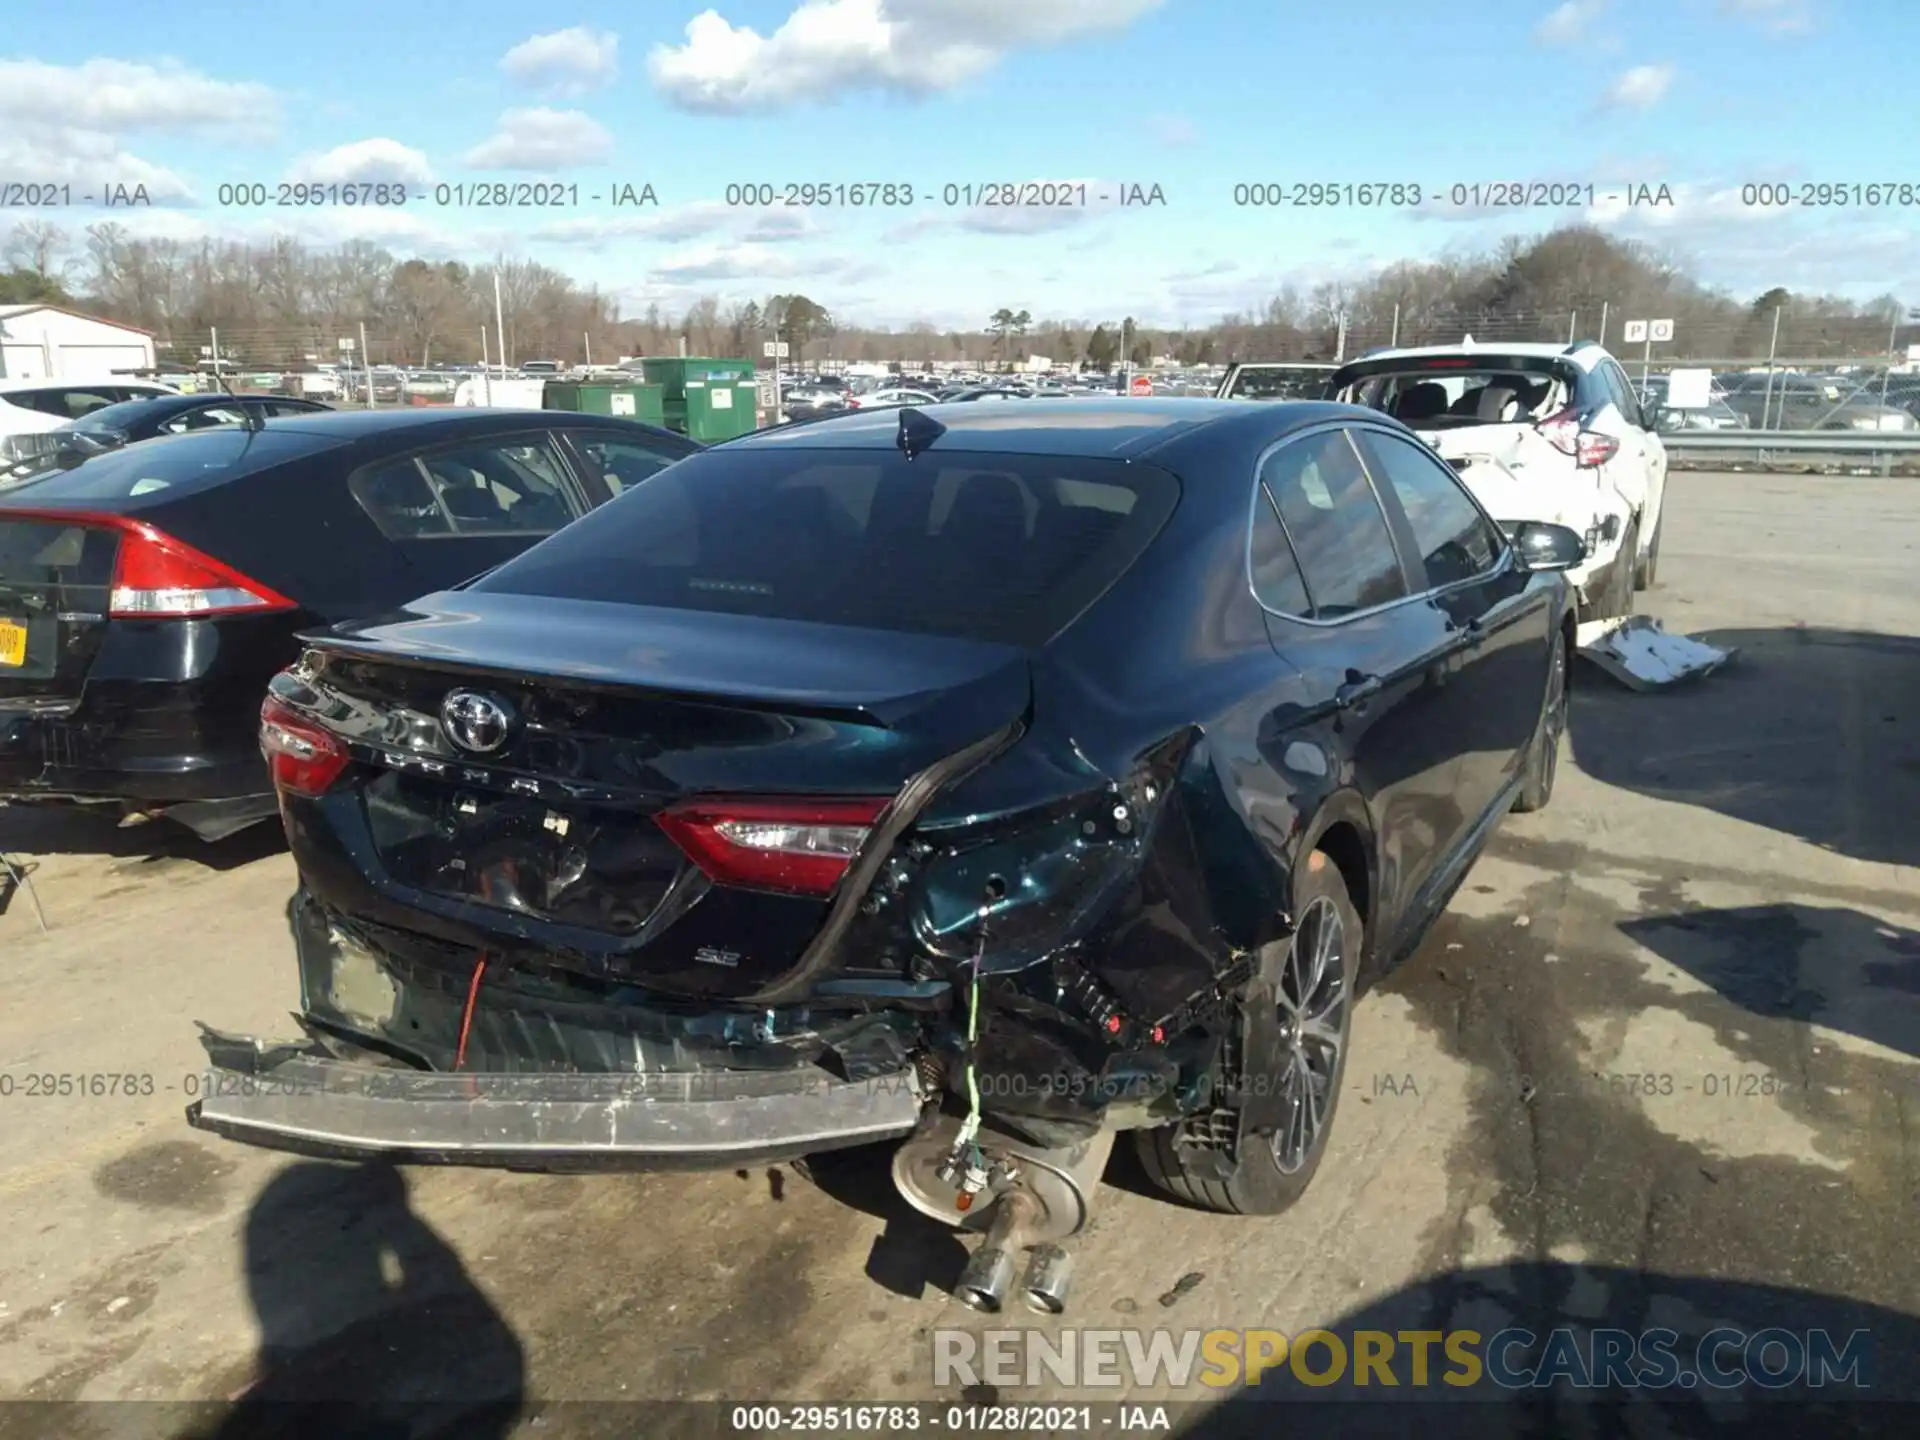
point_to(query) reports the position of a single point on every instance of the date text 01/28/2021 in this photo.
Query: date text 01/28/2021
(458, 195)
(1480, 195)
(971, 194)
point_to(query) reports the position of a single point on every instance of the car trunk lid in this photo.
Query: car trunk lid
(680, 792)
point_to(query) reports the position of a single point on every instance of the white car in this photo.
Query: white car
(1548, 432)
(883, 399)
(31, 408)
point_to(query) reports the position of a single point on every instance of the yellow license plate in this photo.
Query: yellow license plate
(13, 643)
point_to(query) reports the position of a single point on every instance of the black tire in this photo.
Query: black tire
(1648, 570)
(1230, 1158)
(1543, 754)
(1618, 599)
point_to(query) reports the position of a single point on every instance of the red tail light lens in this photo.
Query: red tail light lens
(796, 847)
(1562, 431)
(304, 757)
(157, 577)
(1596, 449)
(1589, 448)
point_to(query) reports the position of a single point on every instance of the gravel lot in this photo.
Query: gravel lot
(1725, 892)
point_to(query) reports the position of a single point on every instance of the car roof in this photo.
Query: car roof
(1123, 427)
(432, 420)
(1584, 353)
(55, 382)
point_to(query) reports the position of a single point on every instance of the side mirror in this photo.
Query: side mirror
(1548, 547)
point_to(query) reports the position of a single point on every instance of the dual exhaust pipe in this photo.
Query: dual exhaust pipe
(988, 1276)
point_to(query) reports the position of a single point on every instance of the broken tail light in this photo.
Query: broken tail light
(1589, 448)
(304, 757)
(796, 847)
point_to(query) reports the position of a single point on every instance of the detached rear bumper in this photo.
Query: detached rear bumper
(304, 1098)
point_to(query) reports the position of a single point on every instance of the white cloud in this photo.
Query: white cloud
(374, 161)
(87, 162)
(828, 48)
(544, 140)
(710, 263)
(772, 227)
(64, 124)
(1174, 130)
(689, 222)
(1640, 88)
(1776, 17)
(118, 96)
(1569, 22)
(565, 62)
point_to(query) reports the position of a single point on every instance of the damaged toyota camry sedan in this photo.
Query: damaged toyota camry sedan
(987, 782)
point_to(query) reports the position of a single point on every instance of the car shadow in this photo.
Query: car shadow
(369, 1323)
(1830, 966)
(1878, 1398)
(1811, 732)
(914, 1251)
(60, 830)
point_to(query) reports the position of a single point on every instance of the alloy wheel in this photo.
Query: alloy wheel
(1556, 720)
(1311, 1011)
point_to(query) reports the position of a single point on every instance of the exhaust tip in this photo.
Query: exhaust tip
(986, 1280)
(1049, 1275)
(974, 1298)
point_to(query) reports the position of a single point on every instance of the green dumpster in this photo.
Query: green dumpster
(677, 373)
(645, 403)
(718, 409)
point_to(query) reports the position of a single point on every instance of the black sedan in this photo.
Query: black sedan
(148, 593)
(133, 420)
(989, 784)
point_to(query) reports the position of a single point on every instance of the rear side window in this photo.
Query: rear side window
(68, 402)
(1005, 548)
(1275, 573)
(1456, 542)
(624, 463)
(495, 487)
(1338, 529)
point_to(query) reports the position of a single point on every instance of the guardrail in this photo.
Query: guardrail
(1790, 449)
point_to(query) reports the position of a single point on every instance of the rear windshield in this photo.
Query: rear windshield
(1445, 394)
(1280, 382)
(177, 465)
(1003, 548)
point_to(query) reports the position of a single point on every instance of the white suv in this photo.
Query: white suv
(1538, 432)
(30, 408)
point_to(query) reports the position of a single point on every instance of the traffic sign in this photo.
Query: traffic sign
(1143, 384)
(346, 344)
(768, 399)
(1635, 333)
(774, 349)
(1659, 331)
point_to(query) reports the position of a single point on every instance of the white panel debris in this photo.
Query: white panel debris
(1641, 655)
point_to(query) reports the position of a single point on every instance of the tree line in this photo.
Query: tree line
(279, 302)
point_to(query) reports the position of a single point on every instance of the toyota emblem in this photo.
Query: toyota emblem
(475, 721)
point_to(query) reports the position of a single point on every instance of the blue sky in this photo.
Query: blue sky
(1192, 96)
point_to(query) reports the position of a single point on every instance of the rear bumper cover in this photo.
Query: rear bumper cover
(45, 756)
(305, 1098)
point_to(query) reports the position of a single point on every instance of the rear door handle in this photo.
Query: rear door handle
(1357, 690)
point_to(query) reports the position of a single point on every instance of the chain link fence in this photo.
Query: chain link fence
(1775, 371)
